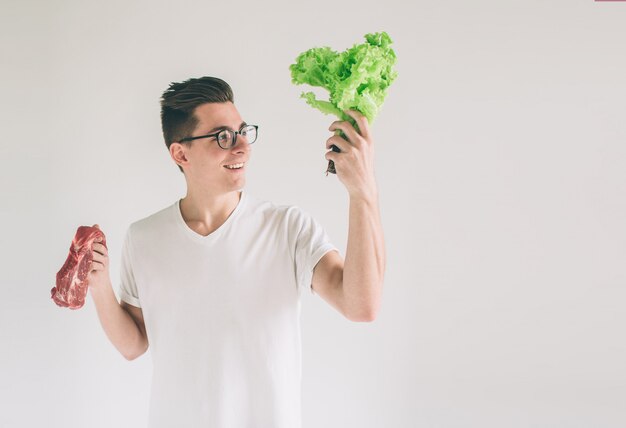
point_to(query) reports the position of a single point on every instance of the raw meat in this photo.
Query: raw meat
(71, 285)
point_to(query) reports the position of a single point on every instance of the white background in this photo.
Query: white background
(500, 160)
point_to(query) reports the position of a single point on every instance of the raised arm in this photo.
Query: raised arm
(354, 287)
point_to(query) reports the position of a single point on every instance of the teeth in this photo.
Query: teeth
(235, 166)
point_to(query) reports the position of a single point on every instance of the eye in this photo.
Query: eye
(223, 136)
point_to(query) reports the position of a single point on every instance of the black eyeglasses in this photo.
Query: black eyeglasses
(227, 138)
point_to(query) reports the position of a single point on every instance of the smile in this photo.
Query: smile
(234, 166)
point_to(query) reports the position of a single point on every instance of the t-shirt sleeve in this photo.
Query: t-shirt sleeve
(128, 286)
(311, 243)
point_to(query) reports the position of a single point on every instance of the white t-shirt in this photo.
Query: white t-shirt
(222, 313)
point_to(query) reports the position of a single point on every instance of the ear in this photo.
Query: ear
(177, 152)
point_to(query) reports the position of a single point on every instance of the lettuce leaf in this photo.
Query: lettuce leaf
(356, 79)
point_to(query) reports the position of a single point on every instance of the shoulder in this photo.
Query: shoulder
(282, 217)
(272, 210)
(153, 222)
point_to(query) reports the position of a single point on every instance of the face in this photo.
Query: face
(204, 161)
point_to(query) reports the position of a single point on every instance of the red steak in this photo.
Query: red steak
(71, 286)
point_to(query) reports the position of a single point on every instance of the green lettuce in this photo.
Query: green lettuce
(356, 79)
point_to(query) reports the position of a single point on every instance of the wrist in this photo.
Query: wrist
(100, 287)
(369, 196)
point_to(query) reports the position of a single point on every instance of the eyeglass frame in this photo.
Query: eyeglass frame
(256, 129)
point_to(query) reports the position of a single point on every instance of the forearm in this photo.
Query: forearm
(118, 325)
(364, 265)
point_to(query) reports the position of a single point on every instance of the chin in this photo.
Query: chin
(238, 185)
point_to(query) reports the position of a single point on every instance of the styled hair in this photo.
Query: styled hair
(180, 100)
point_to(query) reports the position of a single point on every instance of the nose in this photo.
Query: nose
(241, 144)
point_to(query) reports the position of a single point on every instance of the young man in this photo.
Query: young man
(213, 281)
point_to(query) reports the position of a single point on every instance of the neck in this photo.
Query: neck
(206, 211)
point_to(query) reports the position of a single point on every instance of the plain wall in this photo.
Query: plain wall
(500, 162)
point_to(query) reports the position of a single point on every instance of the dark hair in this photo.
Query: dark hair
(180, 100)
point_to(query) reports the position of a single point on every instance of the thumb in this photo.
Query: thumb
(99, 238)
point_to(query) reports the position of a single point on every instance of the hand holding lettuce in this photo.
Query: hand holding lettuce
(356, 79)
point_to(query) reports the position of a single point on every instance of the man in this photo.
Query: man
(213, 282)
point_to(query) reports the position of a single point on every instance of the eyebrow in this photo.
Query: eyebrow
(219, 128)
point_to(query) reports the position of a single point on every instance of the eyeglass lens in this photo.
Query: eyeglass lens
(226, 137)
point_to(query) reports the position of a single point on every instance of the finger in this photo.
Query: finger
(333, 156)
(338, 141)
(361, 121)
(347, 128)
(99, 257)
(99, 248)
(96, 266)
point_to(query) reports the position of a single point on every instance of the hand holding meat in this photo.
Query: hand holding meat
(99, 269)
(87, 254)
